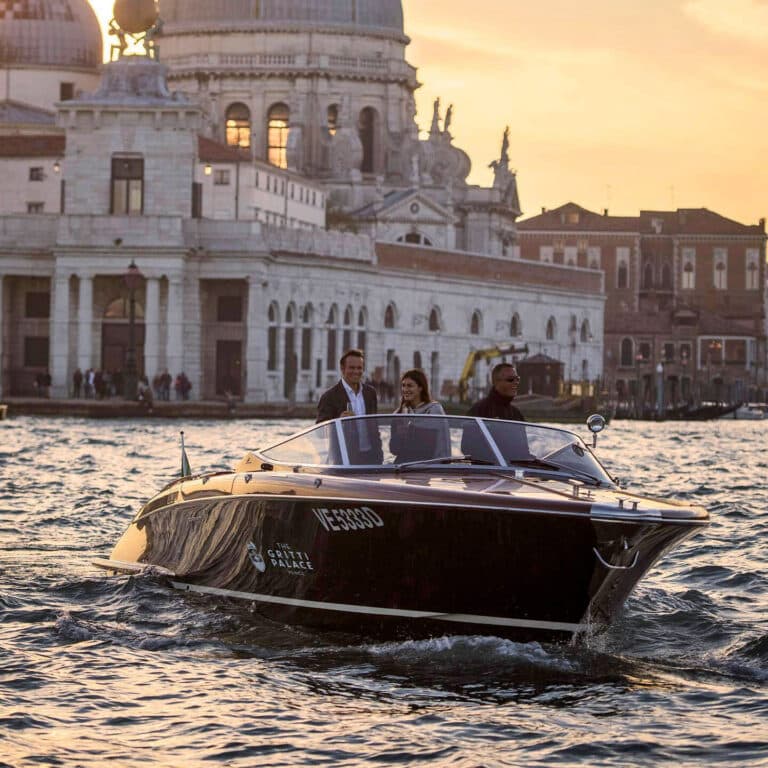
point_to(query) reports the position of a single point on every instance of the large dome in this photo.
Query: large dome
(49, 33)
(386, 15)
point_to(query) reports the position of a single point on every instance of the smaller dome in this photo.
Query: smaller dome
(49, 33)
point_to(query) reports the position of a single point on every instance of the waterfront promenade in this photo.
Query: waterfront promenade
(116, 408)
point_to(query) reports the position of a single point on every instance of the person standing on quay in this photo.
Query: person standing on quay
(77, 383)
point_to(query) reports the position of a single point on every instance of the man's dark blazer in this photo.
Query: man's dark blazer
(334, 402)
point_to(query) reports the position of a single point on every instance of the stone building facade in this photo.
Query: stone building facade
(685, 299)
(243, 287)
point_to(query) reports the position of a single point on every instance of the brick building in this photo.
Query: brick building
(685, 290)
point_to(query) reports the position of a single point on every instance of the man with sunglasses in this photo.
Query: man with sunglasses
(498, 403)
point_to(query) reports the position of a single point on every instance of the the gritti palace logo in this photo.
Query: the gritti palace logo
(292, 560)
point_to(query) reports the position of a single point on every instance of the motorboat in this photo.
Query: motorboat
(412, 526)
(747, 412)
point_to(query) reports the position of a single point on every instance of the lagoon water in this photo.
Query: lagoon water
(99, 670)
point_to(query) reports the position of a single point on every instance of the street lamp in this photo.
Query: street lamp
(132, 280)
(713, 347)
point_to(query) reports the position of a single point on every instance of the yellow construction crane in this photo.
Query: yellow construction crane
(483, 354)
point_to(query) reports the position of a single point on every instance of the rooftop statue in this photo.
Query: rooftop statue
(139, 20)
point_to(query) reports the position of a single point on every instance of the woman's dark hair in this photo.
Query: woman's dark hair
(418, 376)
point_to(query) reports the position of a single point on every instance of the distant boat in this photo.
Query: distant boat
(3, 411)
(747, 412)
(682, 413)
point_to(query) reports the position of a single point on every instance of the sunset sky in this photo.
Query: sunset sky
(613, 104)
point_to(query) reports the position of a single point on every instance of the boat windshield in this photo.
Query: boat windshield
(405, 441)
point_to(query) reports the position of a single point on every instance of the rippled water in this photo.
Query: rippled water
(97, 669)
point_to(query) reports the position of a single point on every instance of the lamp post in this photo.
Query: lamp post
(132, 280)
(713, 346)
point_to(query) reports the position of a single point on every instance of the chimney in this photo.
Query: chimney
(543, 209)
(762, 224)
(605, 211)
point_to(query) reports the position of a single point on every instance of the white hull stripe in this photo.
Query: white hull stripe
(462, 618)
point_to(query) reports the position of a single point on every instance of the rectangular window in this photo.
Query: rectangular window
(221, 177)
(127, 186)
(197, 200)
(36, 352)
(752, 278)
(688, 279)
(546, 254)
(66, 91)
(720, 264)
(593, 257)
(229, 309)
(37, 304)
(35, 207)
(570, 255)
(36, 173)
(669, 352)
(622, 267)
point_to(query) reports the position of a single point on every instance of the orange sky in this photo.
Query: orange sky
(619, 104)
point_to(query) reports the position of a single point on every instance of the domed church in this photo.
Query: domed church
(49, 51)
(323, 88)
(260, 168)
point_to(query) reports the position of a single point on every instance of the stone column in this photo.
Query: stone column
(85, 323)
(152, 329)
(175, 327)
(256, 350)
(59, 337)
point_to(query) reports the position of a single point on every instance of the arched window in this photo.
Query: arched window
(118, 309)
(627, 353)
(238, 126)
(434, 320)
(515, 326)
(585, 334)
(474, 326)
(306, 338)
(389, 316)
(273, 317)
(277, 135)
(289, 315)
(417, 360)
(648, 277)
(331, 336)
(333, 119)
(551, 329)
(367, 130)
(347, 335)
(362, 325)
(414, 238)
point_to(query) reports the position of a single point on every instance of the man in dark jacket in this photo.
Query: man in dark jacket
(498, 403)
(512, 442)
(351, 397)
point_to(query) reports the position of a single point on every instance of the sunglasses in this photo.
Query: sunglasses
(512, 378)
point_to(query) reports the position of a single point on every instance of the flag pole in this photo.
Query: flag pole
(186, 470)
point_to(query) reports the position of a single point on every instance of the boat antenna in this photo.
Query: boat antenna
(186, 470)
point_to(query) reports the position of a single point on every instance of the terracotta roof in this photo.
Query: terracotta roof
(684, 221)
(558, 219)
(32, 146)
(210, 151)
(695, 221)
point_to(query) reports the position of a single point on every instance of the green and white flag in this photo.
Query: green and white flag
(186, 470)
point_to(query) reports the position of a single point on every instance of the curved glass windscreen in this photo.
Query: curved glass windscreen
(413, 441)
